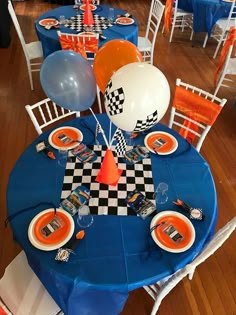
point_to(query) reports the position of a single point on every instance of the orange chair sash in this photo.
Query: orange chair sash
(195, 106)
(188, 135)
(69, 43)
(229, 41)
(168, 15)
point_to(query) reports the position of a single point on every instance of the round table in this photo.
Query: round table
(49, 38)
(117, 254)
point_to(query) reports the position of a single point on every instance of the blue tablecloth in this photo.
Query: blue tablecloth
(205, 12)
(49, 38)
(117, 254)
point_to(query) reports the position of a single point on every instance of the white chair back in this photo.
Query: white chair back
(32, 50)
(22, 292)
(18, 29)
(224, 26)
(46, 113)
(147, 44)
(229, 68)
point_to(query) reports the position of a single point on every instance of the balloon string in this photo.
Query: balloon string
(103, 133)
(110, 133)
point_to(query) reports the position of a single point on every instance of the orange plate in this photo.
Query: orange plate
(50, 22)
(92, 7)
(180, 226)
(58, 235)
(124, 21)
(169, 147)
(72, 133)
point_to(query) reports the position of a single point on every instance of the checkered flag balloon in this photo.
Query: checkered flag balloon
(120, 148)
(114, 100)
(142, 125)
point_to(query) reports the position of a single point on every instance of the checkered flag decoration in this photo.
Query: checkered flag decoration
(114, 100)
(142, 125)
(120, 148)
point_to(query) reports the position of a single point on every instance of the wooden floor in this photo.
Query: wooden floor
(213, 288)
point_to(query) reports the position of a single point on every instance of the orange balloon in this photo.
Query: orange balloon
(111, 57)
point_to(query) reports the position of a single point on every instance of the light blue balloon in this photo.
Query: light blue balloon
(68, 80)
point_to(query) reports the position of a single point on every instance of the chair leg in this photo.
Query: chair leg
(219, 84)
(205, 40)
(163, 29)
(172, 31)
(217, 49)
(191, 36)
(30, 77)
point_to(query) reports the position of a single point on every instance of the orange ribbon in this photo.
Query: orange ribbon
(229, 41)
(196, 108)
(168, 15)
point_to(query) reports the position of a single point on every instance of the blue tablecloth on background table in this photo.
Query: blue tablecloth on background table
(117, 254)
(205, 12)
(49, 38)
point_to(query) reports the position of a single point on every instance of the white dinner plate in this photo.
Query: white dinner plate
(181, 224)
(124, 20)
(57, 239)
(153, 138)
(60, 138)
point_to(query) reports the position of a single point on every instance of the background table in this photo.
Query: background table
(205, 12)
(49, 38)
(117, 254)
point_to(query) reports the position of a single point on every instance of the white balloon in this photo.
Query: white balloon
(137, 97)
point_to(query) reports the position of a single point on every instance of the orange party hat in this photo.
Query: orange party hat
(88, 16)
(109, 173)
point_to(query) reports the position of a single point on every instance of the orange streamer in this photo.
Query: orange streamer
(229, 41)
(168, 15)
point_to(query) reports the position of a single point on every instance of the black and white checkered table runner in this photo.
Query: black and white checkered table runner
(108, 199)
(76, 23)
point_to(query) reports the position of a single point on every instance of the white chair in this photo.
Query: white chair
(22, 293)
(146, 44)
(159, 290)
(193, 112)
(31, 50)
(46, 112)
(178, 18)
(221, 28)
